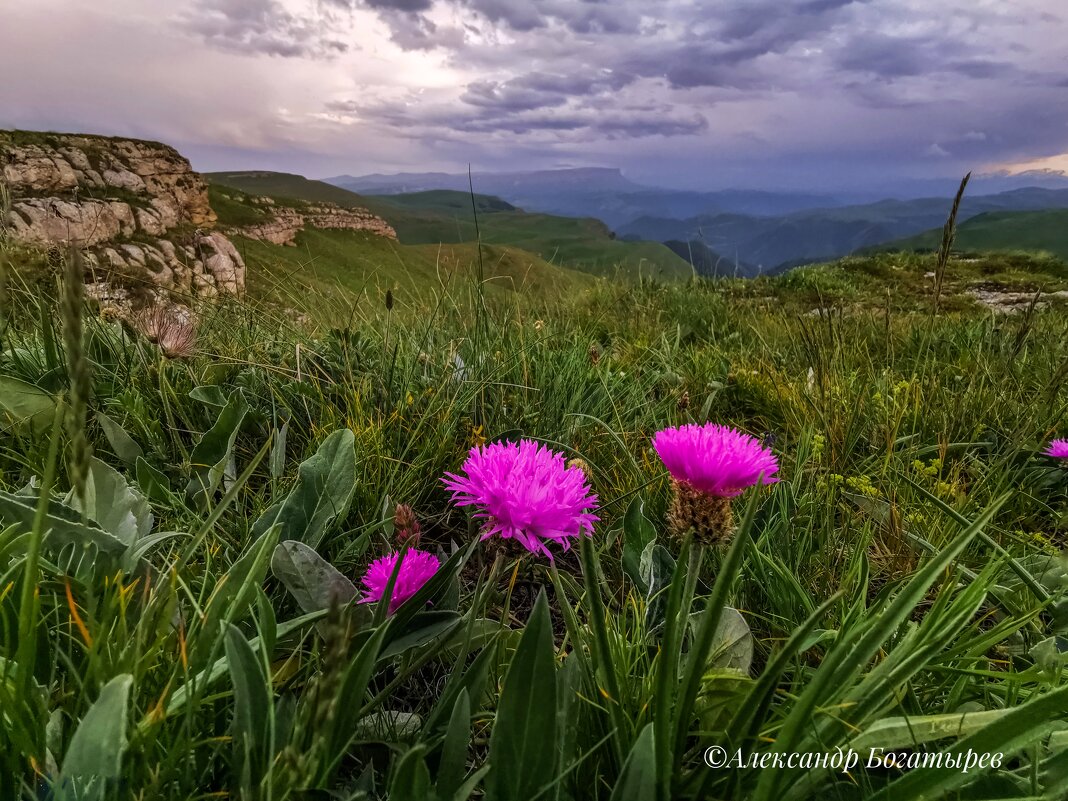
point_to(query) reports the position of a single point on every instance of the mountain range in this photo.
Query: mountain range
(749, 231)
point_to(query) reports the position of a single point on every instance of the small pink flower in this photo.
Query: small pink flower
(416, 569)
(1058, 449)
(525, 492)
(716, 460)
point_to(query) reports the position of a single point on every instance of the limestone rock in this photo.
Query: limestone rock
(284, 223)
(136, 209)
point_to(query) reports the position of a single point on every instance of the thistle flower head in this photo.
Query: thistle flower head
(716, 460)
(1058, 449)
(525, 492)
(406, 526)
(415, 570)
(171, 328)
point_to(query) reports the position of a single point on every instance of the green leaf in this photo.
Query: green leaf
(234, 593)
(388, 726)
(521, 750)
(277, 461)
(1018, 728)
(425, 627)
(312, 581)
(656, 568)
(252, 702)
(890, 733)
(209, 394)
(411, 779)
(96, 749)
(121, 443)
(24, 403)
(325, 485)
(154, 483)
(209, 457)
(117, 507)
(638, 533)
(64, 525)
(637, 781)
(452, 766)
(732, 644)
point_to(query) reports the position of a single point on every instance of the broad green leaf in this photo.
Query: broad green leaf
(424, 628)
(732, 644)
(63, 525)
(117, 507)
(121, 443)
(1018, 728)
(96, 749)
(24, 403)
(210, 456)
(637, 780)
(411, 779)
(252, 702)
(325, 485)
(153, 483)
(209, 394)
(655, 568)
(310, 579)
(521, 752)
(389, 725)
(890, 733)
(638, 533)
(452, 766)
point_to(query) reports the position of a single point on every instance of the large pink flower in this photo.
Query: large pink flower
(1058, 449)
(416, 569)
(716, 460)
(525, 492)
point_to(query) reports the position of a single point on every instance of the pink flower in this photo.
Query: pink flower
(716, 460)
(416, 569)
(1058, 449)
(525, 492)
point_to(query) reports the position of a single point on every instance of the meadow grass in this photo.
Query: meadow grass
(183, 628)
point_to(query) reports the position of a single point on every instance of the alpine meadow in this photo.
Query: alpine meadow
(481, 470)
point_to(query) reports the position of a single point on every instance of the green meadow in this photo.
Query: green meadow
(183, 539)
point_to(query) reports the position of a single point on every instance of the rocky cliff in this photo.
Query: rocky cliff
(281, 223)
(136, 209)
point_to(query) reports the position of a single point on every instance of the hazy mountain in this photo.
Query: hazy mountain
(504, 184)
(604, 193)
(827, 233)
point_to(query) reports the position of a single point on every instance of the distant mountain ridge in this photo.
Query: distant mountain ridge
(821, 234)
(600, 192)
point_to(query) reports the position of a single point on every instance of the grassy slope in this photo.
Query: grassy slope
(1002, 231)
(431, 218)
(958, 404)
(327, 269)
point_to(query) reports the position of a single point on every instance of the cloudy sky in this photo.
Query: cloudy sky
(757, 93)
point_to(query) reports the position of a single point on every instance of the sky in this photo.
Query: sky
(797, 94)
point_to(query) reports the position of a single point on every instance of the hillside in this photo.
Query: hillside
(286, 185)
(328, 271)
(1001, 231)
(437, 217)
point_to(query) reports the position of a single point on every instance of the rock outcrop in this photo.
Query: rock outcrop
(136, 209)
(282, 223)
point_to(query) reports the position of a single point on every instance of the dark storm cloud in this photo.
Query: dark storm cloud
(409, 6)
(261, 27)
(737, 90)
(571, 122)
